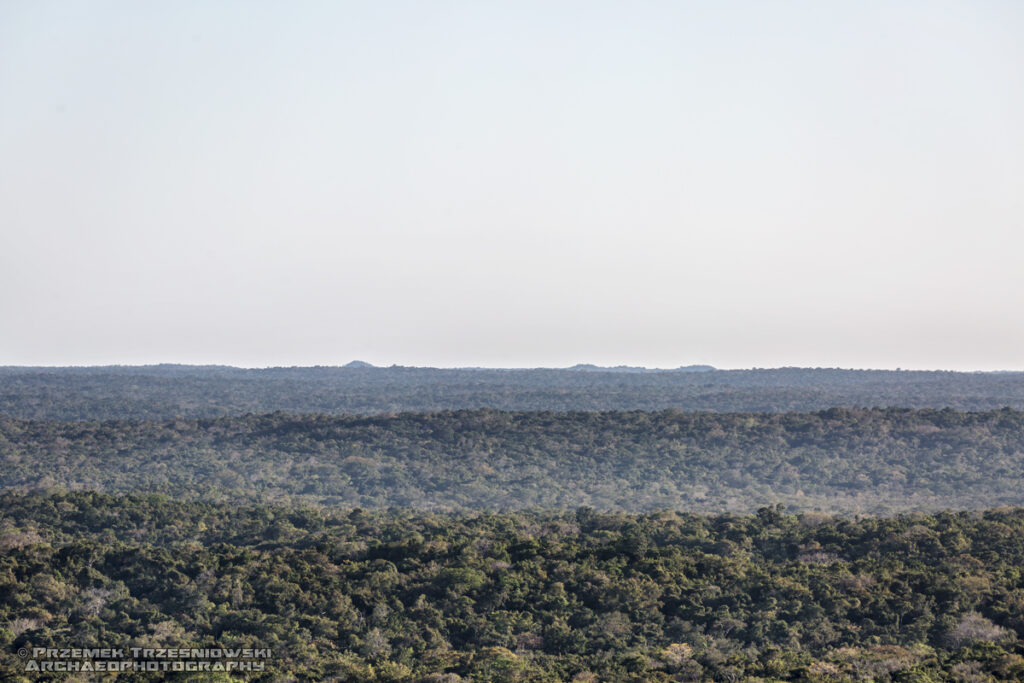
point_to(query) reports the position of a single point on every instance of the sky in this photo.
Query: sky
(513, 183)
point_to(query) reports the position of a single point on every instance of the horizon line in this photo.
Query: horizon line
(579, 367)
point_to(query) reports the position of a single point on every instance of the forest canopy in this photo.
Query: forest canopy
(357, 595)
(169, 391)
(838, 461)
(598, 532)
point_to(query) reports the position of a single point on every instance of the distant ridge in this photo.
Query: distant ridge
(589, 367)
(358, 364)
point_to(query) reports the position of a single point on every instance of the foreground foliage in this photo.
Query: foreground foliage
(399, 595)
(839, 460)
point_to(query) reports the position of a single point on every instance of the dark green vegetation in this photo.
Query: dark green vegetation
(375, 596)
(162, 392)
(839, 460)
(500, 541)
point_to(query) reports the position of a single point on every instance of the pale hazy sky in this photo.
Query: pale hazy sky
(513, 183)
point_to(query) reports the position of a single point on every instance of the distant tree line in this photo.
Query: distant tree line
(162, 392)
(839, 460)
